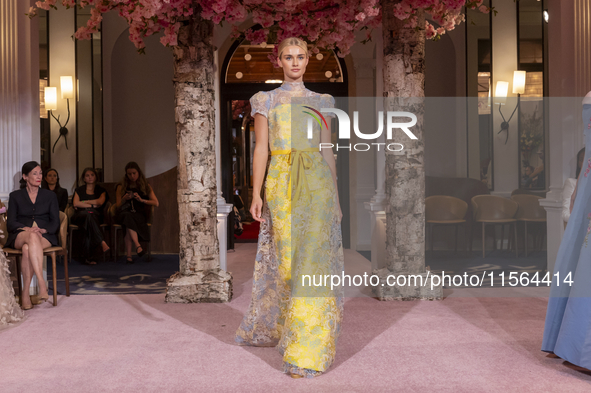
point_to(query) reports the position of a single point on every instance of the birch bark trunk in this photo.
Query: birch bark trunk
(404, 90)
(200, 278)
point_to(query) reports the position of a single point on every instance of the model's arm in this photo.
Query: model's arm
(329, 158)
(586, 101)
(259, 163)
(572, 198)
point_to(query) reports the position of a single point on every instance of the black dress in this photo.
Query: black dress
(89, 219)
(133, 214)
(62, 197)
(22, 213)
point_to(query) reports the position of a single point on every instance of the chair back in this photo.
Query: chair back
(3, 227)
(444, 208)
(492, 207)
(529, 207)
(63, 234)
(70, 212)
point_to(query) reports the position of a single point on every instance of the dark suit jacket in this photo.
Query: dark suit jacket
(62, 198)
(22, 212)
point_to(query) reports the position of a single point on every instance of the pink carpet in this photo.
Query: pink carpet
(133, 343)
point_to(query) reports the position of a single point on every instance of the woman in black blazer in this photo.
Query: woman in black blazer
(33, 221)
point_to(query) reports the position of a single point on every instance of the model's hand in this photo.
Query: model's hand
(127, 196)
(587, 99)
(256, 208)
(137, 197)
(42, 230)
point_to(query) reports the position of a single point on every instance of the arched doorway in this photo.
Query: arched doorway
(247, 70)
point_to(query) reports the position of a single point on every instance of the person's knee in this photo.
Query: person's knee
(25, 250)
(35, 238)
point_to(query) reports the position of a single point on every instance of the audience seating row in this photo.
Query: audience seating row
(486, 210)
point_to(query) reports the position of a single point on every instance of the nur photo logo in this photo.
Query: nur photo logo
(345, 128)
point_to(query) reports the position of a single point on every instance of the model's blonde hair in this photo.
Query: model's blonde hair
(292, 41)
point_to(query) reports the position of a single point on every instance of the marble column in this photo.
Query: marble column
(377, 205)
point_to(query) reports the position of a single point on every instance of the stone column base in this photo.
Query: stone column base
(412, 290)
(206, 286)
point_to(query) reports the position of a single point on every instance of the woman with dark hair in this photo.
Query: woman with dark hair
(134, 198)
(51, 182)
(88, 201)
(33, 221)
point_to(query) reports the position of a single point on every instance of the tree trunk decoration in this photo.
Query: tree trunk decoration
(404, 82)
(200, 278)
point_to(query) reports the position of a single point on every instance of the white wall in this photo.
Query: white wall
(62, 62)
(504, 63)
(139, 103)
(19, 85)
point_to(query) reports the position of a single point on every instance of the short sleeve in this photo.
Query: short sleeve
(327, 101)
(260, 103)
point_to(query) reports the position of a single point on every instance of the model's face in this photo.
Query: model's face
(293, 61)
(89, 177)
(51, 178)
(132, 175)
(34, 177)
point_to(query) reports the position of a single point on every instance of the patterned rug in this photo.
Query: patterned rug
(108, 278)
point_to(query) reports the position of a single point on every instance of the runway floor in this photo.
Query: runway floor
(475, 340)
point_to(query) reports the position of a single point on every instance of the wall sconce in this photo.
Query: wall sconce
(67, 89)
(50, 98)
(501, 94)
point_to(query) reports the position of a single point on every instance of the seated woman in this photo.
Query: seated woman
(51, 182)
(134, 196)
(88, 201)
(33, 220)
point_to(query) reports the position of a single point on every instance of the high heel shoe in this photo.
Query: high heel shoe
(129, 260)
(142, 253)
(36, 299)
(25, 308)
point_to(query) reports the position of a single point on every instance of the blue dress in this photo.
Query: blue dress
(567, 331)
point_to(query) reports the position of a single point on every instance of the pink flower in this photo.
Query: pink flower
(484, 9)
(2, 209)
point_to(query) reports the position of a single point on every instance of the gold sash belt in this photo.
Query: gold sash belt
(299, 163)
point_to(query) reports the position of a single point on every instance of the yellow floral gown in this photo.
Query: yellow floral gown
(301, 236)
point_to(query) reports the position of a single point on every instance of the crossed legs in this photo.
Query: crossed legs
(32, 245)
(131, 239)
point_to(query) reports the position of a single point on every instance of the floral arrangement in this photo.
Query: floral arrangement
(328, 24)
(240, 109)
